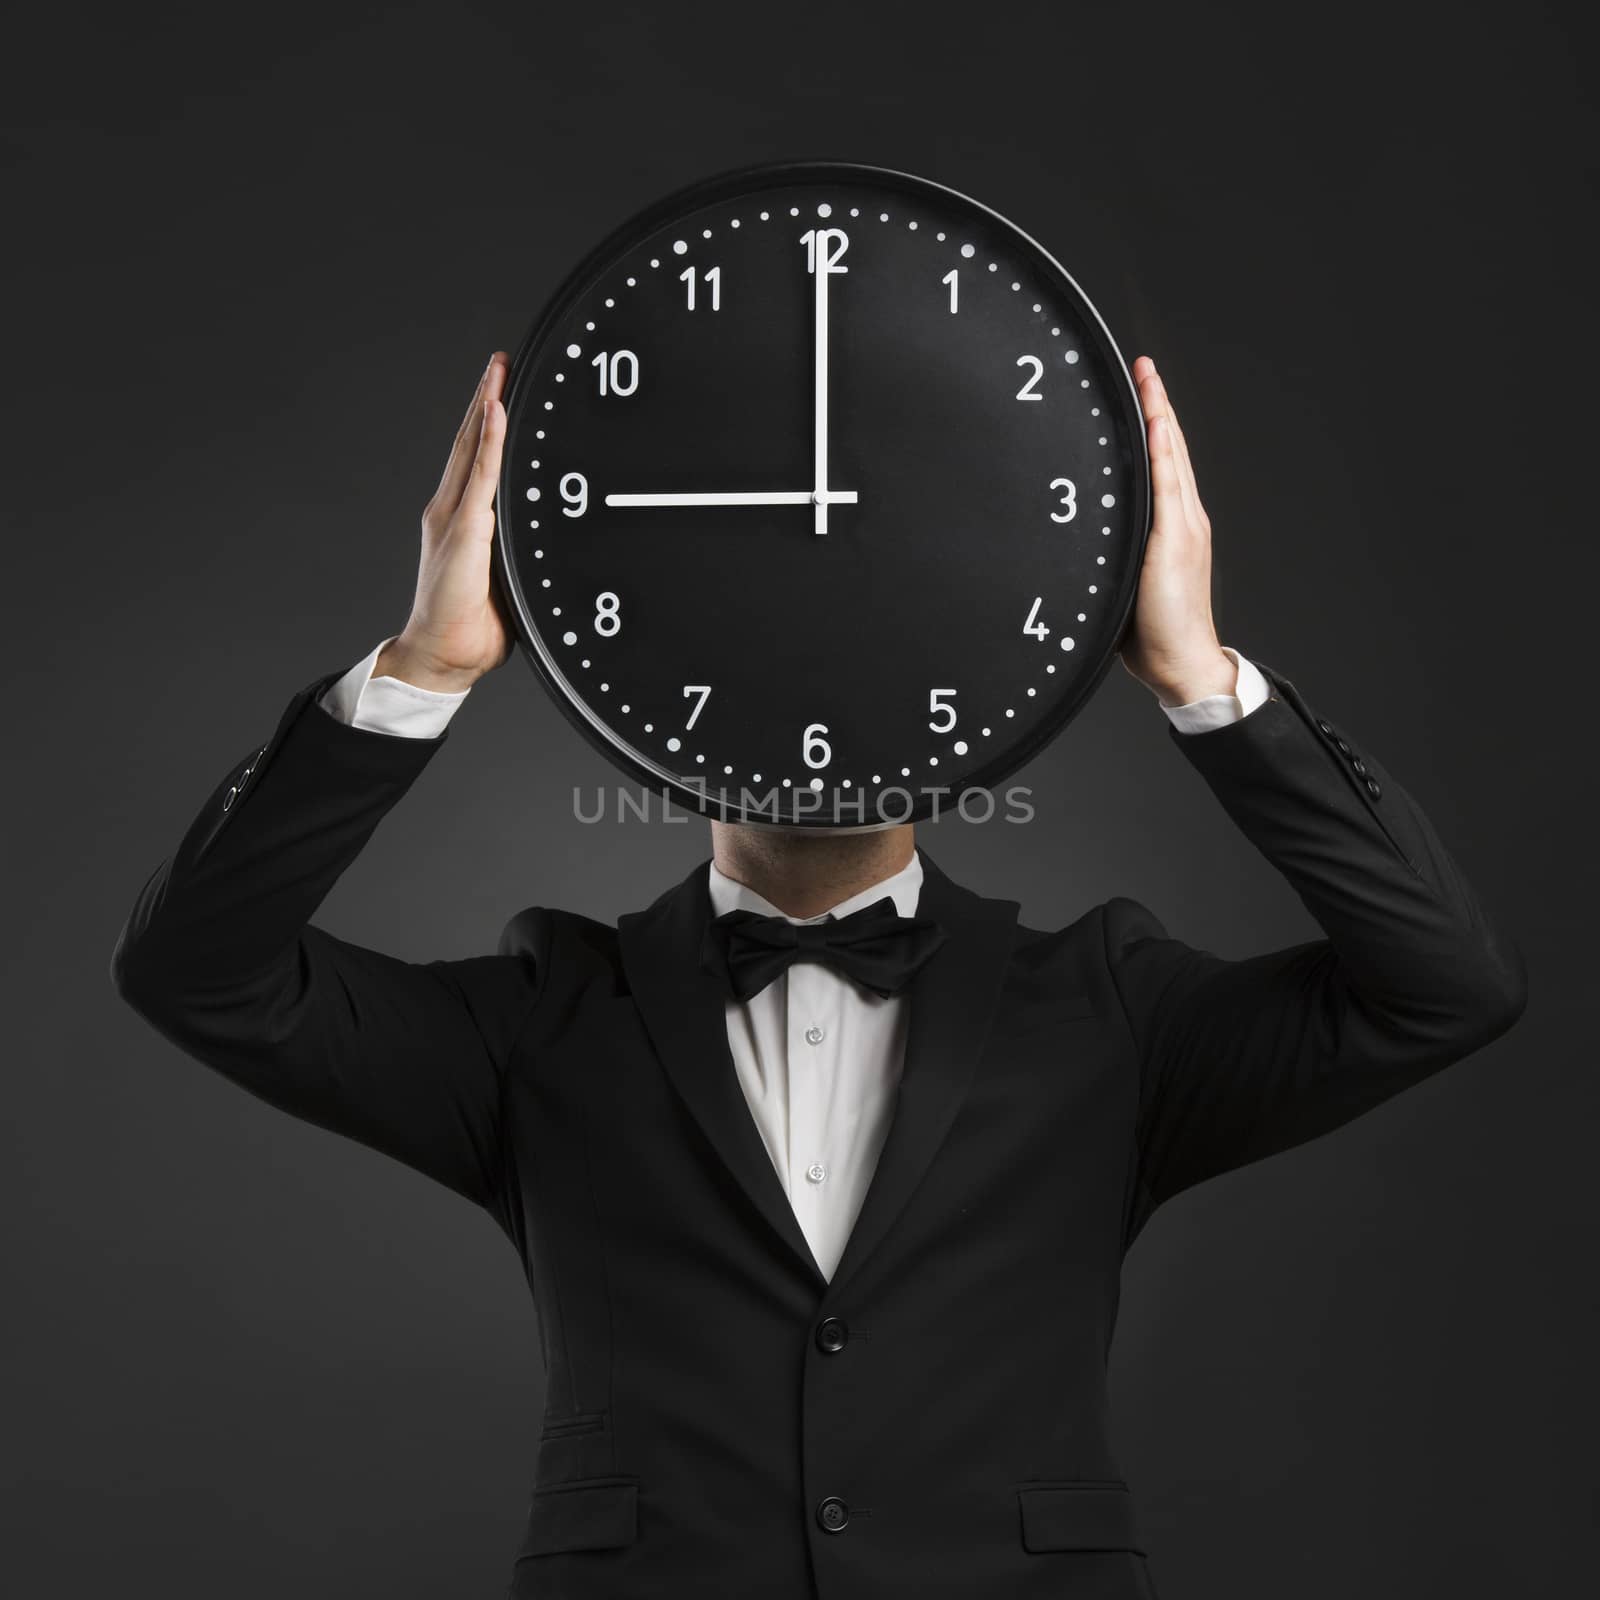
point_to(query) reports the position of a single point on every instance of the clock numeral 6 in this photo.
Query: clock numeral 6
(575, 491)
(1033, 626)
(814, 749)
(937, 706)
(607, 614)
(619, 371)
(1026, 391)
(1069, 499)
(713, 277)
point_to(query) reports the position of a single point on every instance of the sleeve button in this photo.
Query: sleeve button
(1374, 788)
(1358, 766)
(227, 799)
(1324, 726)
(1344, 748)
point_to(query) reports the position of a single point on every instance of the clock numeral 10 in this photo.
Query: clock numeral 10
(938, 707)
(619, 371)
(713, 278)
(814, 749)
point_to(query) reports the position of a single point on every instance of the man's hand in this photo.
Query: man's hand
(456, 631)
(1172, 646)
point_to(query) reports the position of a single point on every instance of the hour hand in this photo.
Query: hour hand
(777, 497)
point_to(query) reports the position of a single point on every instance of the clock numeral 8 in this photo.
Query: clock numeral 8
(615, 378)
(1069, 499)
(815, 750)
(607, 614)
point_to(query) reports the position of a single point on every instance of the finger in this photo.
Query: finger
(464, 447)
(1157, 404)
(1191, 489)
(1169, 510)
(477, 499)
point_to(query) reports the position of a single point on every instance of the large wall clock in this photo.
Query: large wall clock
(824, 497)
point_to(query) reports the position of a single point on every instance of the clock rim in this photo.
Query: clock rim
(598, 732)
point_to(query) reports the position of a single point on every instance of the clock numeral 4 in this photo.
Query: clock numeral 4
(1026, 391)
(575, 491)
(815, 751)
(704, 691)
(713, 277)
(619, 371)
(833, 242)
(1033, 626)
(1069, 499)
(607, 614)
(937, 706)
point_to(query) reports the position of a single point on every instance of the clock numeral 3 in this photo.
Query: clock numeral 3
(1069, 499)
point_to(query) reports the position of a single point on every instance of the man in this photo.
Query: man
(823, 1216)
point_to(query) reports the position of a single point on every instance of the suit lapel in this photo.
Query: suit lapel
(951, 1000)
(683, 1011)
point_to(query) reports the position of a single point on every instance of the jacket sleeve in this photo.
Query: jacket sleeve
(219, 956)
(1239, 1059)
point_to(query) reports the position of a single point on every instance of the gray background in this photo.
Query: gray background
(253, 271)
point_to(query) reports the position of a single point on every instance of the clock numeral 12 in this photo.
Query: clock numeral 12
(614, 377)
(713, 278)
(834, 243)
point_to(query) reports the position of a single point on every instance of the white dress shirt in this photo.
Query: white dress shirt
(818, 1057)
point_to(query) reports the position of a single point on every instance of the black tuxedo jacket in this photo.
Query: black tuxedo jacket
(721, 1419)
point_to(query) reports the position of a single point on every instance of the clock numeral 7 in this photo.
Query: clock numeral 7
(713, 277)
(619, 371)
(937, 706)
(704, 691)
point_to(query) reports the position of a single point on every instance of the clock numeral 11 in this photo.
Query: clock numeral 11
(713, 277)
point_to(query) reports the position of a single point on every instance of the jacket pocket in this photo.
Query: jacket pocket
(565, 1425)
(1078, 1514)
(586, 1514)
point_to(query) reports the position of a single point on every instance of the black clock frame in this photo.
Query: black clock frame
(751, 180)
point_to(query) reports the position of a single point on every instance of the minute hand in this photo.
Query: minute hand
(780, 497)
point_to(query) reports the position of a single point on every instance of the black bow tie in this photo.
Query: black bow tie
(881, 950)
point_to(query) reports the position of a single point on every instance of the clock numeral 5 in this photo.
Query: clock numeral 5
(814, 749)
(619, 371)
(1033, 626)
(713, 277)
(575, 491)
(1069, 499)
(937, 707)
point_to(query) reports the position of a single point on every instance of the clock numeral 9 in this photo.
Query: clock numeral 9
(834, 243)
(619, 371)
(936, 706)
(1033, 626)
(814, 749)
(607, 614)
(1069, 499)
(1026, 391)
(575, 491)
(713, 278)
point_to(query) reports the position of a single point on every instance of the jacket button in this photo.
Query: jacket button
(1324, 726)
(1359, 766)
(1374, 788)
(833, 1514)
(227, 799)
(831, 1334)
(1344, 748)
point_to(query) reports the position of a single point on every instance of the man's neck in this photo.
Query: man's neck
(805, 872)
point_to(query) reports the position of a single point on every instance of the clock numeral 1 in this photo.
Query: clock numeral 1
(575, 491)
(937, 706)
(713, 277)
(953, 278)
(607, 614)
(704, 691)
(1026, 391)
(1069, 499)
(814, 749)
(1033, 626)
(619, 371)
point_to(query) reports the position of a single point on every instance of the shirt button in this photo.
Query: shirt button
(816, 1172)
(815, 1035)
(833, 1514)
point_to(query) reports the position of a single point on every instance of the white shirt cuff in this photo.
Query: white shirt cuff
(390, 705)
(1250, 690)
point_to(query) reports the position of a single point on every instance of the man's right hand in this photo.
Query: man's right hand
(457, 630)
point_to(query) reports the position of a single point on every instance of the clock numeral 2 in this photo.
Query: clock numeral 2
(619, 371)
(1026, 391)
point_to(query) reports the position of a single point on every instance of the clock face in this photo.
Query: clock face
(824, 498)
